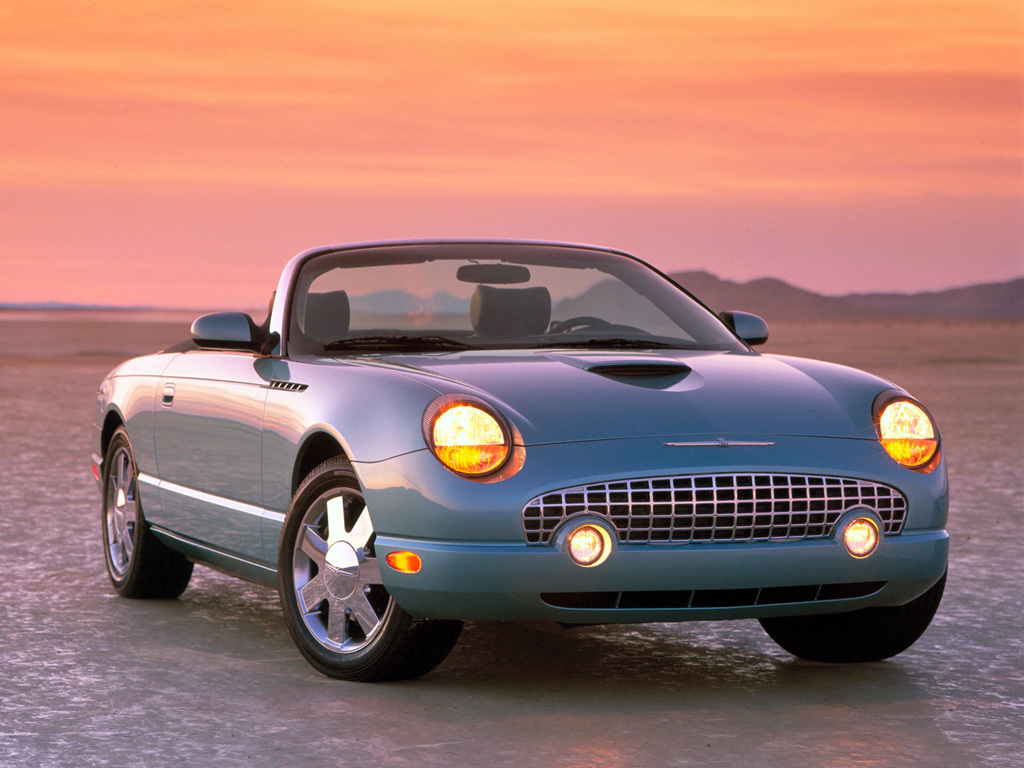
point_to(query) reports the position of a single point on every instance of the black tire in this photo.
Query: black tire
(324, 571)
(139, 565)
(870, 634)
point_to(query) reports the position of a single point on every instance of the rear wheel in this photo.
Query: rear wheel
(870, 634)
(339, 614)
(139, 565)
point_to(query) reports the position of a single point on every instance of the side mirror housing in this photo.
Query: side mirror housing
(227, 330)
(751, 328)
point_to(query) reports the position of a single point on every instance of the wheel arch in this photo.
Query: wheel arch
(111, 422)
(316, 448)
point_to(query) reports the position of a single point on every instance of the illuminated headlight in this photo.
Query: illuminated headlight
(467, 437)
(861, 537)
(907, 433)
(589, 545)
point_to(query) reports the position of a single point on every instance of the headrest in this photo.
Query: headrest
(510, 311)
(326, 316)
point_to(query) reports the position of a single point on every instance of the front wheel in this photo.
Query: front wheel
(870, 634)
(339, 614)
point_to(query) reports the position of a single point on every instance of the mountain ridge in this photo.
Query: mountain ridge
(776, 299)
(770, 297)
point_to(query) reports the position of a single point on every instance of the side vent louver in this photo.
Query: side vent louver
(288, 386)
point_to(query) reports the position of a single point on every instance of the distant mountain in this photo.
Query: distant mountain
(774, 299)
(771, 298)
(400, 303)
(986, 301)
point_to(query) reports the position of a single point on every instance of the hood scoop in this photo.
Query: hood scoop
(643, 373)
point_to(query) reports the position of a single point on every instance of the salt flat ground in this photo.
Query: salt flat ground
(212, 679)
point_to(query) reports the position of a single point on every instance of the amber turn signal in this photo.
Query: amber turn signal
(405, 562)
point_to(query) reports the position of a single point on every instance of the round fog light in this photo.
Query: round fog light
(861, 537)
(589, 545)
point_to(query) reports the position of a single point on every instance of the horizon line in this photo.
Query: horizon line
(52, 305)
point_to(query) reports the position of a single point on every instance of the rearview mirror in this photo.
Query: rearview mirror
(226, 330)
(493, 274)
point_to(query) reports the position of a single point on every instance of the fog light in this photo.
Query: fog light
(861, 537)
(589, 545)
(406, 562)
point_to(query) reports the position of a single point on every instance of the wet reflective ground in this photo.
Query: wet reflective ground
(87, 678)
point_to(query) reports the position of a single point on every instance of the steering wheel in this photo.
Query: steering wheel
(581, 321)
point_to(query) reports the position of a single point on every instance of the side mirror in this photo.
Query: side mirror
(751, 328)
(227, 330)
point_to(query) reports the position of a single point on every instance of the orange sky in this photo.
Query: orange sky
(177, 153)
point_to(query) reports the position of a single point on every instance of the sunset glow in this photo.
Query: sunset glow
(189, 148)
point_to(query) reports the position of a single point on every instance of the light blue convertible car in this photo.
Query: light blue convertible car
(422, 433)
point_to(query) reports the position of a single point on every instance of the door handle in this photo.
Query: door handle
(168, 398)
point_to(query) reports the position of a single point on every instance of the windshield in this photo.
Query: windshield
(455, 296)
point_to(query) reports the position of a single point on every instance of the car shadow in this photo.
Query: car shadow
(702, 661)
(610, 666)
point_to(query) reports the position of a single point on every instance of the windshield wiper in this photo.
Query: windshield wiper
(613, 343)
(396, 344)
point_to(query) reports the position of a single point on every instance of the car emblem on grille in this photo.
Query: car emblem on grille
(719, 443)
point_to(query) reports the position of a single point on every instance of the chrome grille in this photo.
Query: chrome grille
(696, 508)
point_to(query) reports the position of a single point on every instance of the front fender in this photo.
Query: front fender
(373, 414)
(129, 392)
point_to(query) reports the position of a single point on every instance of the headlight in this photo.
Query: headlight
(466, 436)
(906, 432)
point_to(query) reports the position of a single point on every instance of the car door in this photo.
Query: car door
(208, 424)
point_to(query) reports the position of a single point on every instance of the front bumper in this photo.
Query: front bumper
(461, 580)
(476, 563)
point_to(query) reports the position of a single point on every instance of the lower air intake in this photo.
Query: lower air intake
(712, 598)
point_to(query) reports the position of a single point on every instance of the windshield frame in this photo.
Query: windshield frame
(664, 293)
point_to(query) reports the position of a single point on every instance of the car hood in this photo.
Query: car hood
(564, 396)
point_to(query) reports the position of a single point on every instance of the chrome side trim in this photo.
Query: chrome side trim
(205, 498)
(152, 482)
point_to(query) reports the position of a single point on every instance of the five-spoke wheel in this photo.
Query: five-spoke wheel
(336, 579)
(335, 604)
